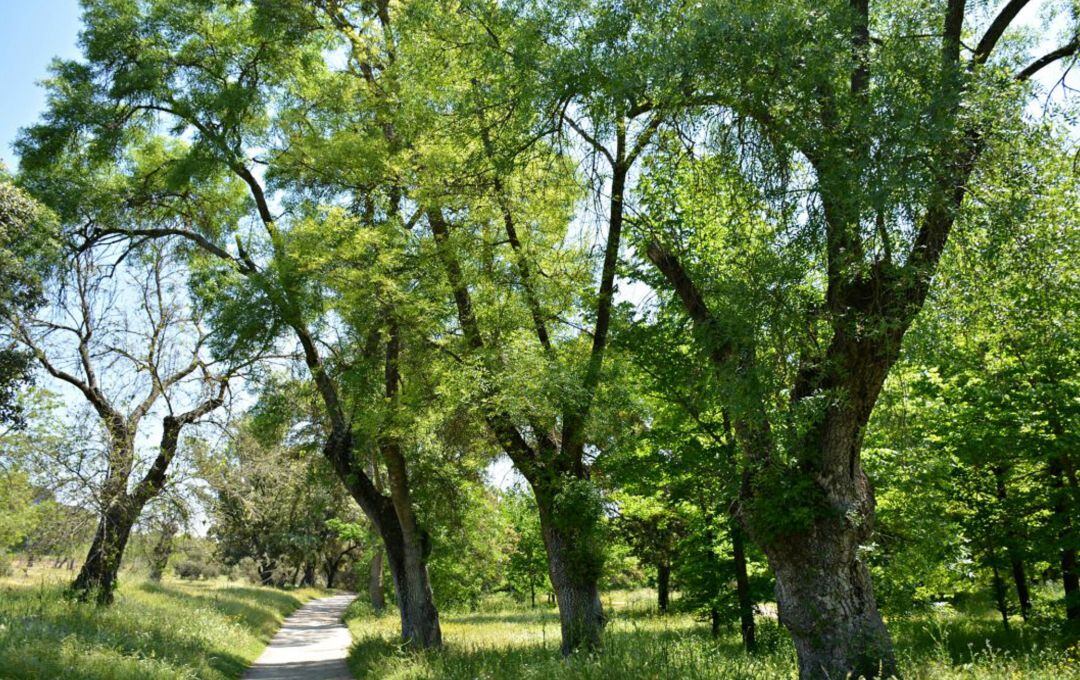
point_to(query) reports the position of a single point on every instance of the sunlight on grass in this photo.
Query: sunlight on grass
(503, 640)
(170, 630)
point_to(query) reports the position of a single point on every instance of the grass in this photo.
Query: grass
(173, 630)
(503, 640)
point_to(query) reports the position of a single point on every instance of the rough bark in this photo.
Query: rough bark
(97, 577)
(581, 616)
(375, 589)
(663, 585)
(825, 600)
(412, 591)
(742, 589)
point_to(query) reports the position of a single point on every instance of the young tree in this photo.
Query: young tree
(527, 565)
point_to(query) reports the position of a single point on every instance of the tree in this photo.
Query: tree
(274, 502)
(109, 356)
(988, 369)
(814, 89)
(26, 253)
(216, 74)
(527, 564)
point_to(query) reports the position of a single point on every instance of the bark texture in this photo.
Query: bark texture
(412, 589)
(581, 615)
(375, 589)
(97, 577)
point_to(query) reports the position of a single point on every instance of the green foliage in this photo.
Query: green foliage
(526, 566)
(28, 250)
(18, 515)
(577, 514)
(786, 502)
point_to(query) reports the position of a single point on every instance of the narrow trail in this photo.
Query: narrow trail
(312, 644)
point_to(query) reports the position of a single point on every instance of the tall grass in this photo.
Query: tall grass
(153, 631)
(504, 641)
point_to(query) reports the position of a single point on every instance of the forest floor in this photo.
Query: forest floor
(505, 640)
(172, 630)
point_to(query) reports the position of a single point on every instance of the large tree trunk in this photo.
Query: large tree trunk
(826, 602)
(742, 588)
(407, 544)
(574, 582)
(663, 585)
(97, 578)
(823, 590)
(375, 589)
(412, 589)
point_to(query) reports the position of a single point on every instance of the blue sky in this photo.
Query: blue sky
(32, 33)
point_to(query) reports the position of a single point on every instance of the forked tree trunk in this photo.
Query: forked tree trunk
(742, 588)
(581, 615)
(375, 587)
(663, 585)
(97, 578)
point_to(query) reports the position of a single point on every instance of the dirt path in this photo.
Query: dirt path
(311, 645)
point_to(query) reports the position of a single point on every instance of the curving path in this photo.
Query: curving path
(312, 644)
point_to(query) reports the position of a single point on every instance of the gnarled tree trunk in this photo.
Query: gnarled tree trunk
(826, 602)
